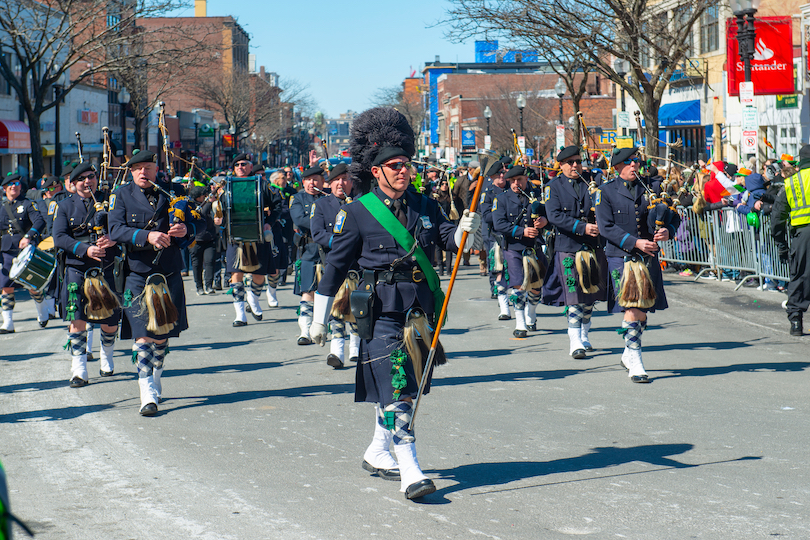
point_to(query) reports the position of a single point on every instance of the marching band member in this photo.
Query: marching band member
(399, 288)
(324, 213)
(20, 224)
(524, 265)
(635, 281)
(89, 263)
(154, 300)
(493, 242)
(578, 273)
(309, 263)
(255, 258)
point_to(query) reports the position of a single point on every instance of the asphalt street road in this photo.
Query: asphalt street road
(259, 438)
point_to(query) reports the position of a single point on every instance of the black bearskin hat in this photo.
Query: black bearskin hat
(372, 131)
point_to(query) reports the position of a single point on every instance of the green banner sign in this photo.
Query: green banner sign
(787, 101)
(206, 131)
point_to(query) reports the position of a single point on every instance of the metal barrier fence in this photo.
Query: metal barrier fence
(722, 240)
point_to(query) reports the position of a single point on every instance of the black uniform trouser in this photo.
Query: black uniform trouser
(799, 287)
(202, 262)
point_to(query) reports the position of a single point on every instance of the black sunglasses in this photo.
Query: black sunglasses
(398, 165)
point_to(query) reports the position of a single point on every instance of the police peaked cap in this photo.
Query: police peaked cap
(517, 170)
(340, 168)
(568, 152)
(495, 168)
(312, 171)
(66, 170)
(144, 156)
(241, 157)
(620, 154)
(13, 178)
(50, 181)
(80, 169)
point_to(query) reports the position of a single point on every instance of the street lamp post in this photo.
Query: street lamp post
(521, 103)
(232, 132)
(488, 116)
(559, 89)
(57, 88)
(744, 11)
(620, 68)
(196, 134)
(214, 156)
(123, 99)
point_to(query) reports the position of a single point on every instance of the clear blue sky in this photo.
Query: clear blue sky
(344, 51)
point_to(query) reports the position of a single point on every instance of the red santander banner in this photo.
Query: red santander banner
(772, 65)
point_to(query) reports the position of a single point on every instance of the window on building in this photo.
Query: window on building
(793, 133)
(682, 16)
(709, 30)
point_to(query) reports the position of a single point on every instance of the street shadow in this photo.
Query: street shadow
(490, 475)
(229, 368)
(49, 415)
(34, 385)
(758, 367)
(190, 347)
(239, 397)
(519, 376)
(705, 346)
(24, 357)
(487, 353)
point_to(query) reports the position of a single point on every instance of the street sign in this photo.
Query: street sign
(749, 141)
(487, 142)
(746, 93)
(530, 152)
(467, 138)
(522, 144)
(624, 142)
(750, 118)
(560, 142)
(623, 119)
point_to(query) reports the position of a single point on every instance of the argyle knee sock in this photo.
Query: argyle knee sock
(90, 331)
(239, 301)
(159, 352)
(632, 344)
(378, 453)
(305, 317)
(354, 342)
(78, 352)
(142, 355)
(532, 299)
(253, 297)
(336, 346)
(587, 311)
(107, 347)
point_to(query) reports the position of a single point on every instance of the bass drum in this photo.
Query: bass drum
(33, 268)
(245, 220)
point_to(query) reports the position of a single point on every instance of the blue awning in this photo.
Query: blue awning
(685, 113)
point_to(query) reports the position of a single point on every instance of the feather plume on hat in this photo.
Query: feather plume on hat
(372, 131)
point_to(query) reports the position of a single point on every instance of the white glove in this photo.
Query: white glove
(469, 222)
(320, 316)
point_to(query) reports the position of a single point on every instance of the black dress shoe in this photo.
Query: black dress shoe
(90, 357)
(385, 474)
(257, 317)
(334, 361)
(796, 328)
(504, 317)
(532, 327)
(237, 324)
(105, 373)
(304, 341)
(640, 379)
(43, 324)
(420, 489)
(578, 354)
(354, 359)
(493, 296)
(4, 331)
(77, 382)
(150, 409)
(520, 333)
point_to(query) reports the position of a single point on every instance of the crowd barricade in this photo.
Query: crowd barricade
(722, 240)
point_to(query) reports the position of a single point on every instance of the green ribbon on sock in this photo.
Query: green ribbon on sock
(398, 378)
(73, 302)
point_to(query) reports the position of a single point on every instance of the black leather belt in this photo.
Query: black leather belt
(400, 276)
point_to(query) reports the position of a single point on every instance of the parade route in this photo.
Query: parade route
(259, 438)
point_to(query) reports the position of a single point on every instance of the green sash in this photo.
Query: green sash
(386, 218)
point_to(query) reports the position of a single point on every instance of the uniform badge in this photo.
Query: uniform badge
(483, 196)
(426, 224)
(339, 221)
(292, 198)
(443, 213)
(51, 208)
(312, 211)
(494, 204)
(598, 197)
(548, 192)
(34, 206)
(112, 202)
(20, 209)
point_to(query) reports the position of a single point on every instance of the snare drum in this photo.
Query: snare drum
(33, 268)
(244, 217)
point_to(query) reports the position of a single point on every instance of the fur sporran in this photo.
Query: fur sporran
(533, 272)
(636, 286)
(496, 254)
(418, 337)
(157, 303)
(341, 308)
(247, 257)
(101, 301)
(588, 271)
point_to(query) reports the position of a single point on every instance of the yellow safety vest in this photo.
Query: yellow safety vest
(797, 189)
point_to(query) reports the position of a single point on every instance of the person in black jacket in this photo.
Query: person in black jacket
(21, 224)
(572, 279)
(139, 217)
(203, 251)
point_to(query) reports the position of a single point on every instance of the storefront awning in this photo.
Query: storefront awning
(15, 137)
(684, 113)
